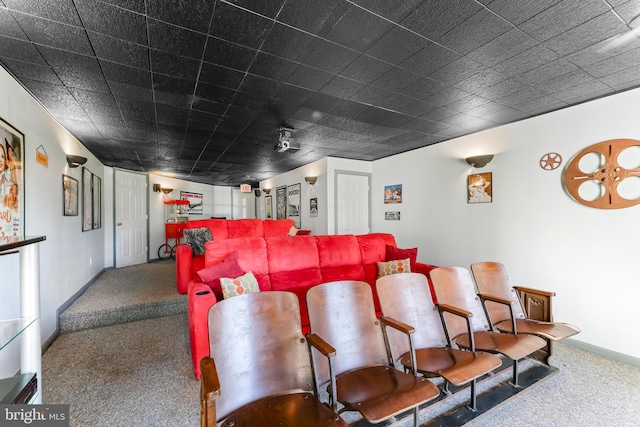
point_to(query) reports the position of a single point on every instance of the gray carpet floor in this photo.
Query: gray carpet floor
(139, 373)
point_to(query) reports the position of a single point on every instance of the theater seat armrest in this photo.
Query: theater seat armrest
(396, 324)
(495, 299)
(534, 291)
(321, 345)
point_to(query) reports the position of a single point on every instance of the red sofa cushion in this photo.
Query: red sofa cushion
(373, 250)
(252, 256)
(212, 274)
(393, 254)
(340, 258)
(277, 227)
(218, 227)
(240, 228)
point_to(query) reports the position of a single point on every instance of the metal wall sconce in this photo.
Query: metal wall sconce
(310, 179)
(167, 190)
(75, 161)
(479, 161)
(157, 188)
(266, 190)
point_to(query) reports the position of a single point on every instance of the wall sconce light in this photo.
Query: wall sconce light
(479, 161)
(257, 192)
(167, 190)
(75, 161)
(157, 188)
(266, 190)
(310, 179)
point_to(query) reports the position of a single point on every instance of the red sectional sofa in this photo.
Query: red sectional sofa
(292, 264)
(187, 265)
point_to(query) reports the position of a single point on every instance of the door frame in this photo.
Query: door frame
(337, 172)
(113, 214)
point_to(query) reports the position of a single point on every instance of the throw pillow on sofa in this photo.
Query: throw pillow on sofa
(393, 253)
(228, 267)
(196, 238)
(394, 267)
(245, 284)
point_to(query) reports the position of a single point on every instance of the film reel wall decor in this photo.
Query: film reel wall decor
(606, 175)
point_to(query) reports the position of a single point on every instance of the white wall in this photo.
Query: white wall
(317, 225)
(544, 238)
(69, 258)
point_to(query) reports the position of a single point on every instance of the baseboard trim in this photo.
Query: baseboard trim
(620, 357)
(65, 305)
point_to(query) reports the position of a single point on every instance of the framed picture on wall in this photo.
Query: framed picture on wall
(87, 199)
(11, 183)
(268, 207)
(293, 204)
(480, 188)
(97, 201)
(69, 196)
(313, 207)
(195, 202)
(281, 202)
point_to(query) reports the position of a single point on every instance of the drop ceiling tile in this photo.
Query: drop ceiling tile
(62, 11)
(503, 47)
(476, 31)
(457, 71)
(330, 57)
(518, 11)
(397, 45)
(602, 51)
(396, 79)
(119, 50)
(228, 54)
(528, 60)
(432, 19)
(629, 59)
(358, 29)
(183, 16)
(501, 89)
(593, 31)
(342, 87)
(10, 27)
(430, 59)
(309, 78)
(271, 66)
(546, 72)
(20, 50)
(561, 17)
(578, 92)
(478, 83)
(541, 105)
(173, 65)
(50, 33)
(26, 70)
(94, 99)
(260, 86)
(313, 16)
(422, 88)
(214, 93)
(172, 85)
(365, 69)
(133, 5)
(239, 26)
(122, 74)
(267, 8)
(289, 43)
(527, 95)
(176, 40)
(624, 79)
(221, 76)
(627, 9)
(565, 81)
(395, 10)
(125, 92)
(113, 21)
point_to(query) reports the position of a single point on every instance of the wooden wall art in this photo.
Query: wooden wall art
(607, 175)
(550, 161)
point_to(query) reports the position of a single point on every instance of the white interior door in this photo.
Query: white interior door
(131, 218)
(352, 204)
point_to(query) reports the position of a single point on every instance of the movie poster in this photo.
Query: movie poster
(11, 183)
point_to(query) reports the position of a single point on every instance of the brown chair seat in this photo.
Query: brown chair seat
(549, 330)
(285, 410)
(513, 346)
(380, 392)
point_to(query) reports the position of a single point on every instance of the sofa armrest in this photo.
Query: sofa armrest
(184, 261)
(200, 299)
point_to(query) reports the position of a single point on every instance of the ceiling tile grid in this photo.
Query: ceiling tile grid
(199, 88)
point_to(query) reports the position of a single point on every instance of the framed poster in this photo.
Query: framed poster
(11, 183)
(281, 202)
(87, 200)
(313, 207)
(293, 203)
(195, 202)
(480, 188)
(268, 207)
(69, 196)
(393, 193)
(97, 201)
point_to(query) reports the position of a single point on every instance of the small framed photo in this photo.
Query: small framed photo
(480, 188)
(268, 207)
(69, 196)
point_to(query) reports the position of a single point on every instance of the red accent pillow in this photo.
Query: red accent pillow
(393, 253)
(228, 267)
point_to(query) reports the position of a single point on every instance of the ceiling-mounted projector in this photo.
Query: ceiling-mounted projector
(285, 141)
